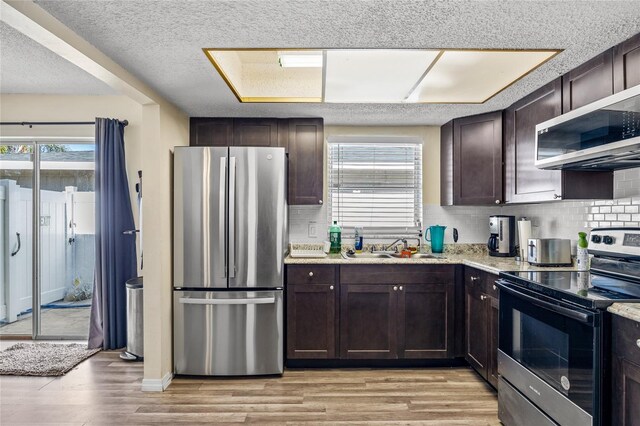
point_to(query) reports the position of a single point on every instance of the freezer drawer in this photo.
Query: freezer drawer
(232, 333)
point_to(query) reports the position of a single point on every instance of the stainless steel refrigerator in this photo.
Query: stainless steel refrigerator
(230, 239)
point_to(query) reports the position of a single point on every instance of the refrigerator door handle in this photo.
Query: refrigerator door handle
(256, 301)
(222, 195)
(232, 217)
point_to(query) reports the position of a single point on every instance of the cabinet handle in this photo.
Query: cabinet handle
(638, 343)
(556, 196)
(330, 287)
(473, 279)
(483, 297)
(494, 287)
(395, 288)
(497, 201)
(319, 201)
(310, 274)
(400, 288)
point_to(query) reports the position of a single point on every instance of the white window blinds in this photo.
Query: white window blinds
(377, 185)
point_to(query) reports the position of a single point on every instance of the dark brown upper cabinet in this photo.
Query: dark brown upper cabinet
(471, 149)
(302, 138)
(255, 132)
(626, 64)
(589, 82)
(523, 181)
(306, 161)
(209, 131)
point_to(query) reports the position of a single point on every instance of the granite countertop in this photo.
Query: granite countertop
(470, 255)
(627, 310)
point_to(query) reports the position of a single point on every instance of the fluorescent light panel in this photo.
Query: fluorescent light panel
(374, 76)
(472, 76)
(300, 59)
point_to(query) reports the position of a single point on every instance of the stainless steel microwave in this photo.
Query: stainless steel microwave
(604, 135)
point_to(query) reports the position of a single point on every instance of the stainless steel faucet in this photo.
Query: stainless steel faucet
(404, 243)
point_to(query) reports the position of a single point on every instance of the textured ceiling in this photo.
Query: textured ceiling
(161, 42)
(28, 67)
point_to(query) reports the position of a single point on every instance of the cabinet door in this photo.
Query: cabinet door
(476, 324)
(626, 64)
(368, 322)
(626, 392)
(205, 131)
(311, 321)
(524, 182)
(589, 82)
(446, 164)
(306, 161)
(477, 159)
(626, 371)
(493, 307)
(425, 320)
(255, 132)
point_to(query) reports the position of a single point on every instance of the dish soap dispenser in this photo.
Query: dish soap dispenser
(335, 236)
(582, 258)
(358, 239)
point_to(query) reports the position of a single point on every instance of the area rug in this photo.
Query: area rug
(42, 359)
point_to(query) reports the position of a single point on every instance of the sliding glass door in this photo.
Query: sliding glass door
(58, 248)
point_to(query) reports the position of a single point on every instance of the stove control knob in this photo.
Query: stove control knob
(607, 240)
(596, 239)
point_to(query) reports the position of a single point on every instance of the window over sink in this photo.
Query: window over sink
(375, 182)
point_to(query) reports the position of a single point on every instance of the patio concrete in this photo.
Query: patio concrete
(55, 322)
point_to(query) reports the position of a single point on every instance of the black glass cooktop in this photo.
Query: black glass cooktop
(583, 288)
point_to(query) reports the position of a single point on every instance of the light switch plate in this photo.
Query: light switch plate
(313, 230)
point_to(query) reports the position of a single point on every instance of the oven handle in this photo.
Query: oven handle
(567, 312)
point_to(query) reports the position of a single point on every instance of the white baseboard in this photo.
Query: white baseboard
(157, 385)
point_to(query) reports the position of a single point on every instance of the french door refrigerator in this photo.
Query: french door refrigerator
(230, 239)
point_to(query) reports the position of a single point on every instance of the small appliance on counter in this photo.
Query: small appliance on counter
(549, 252)
(502, 241)
(524, 233)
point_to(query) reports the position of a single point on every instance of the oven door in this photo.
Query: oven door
(550, 351)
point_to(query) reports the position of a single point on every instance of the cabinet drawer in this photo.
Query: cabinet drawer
(311, 274)
(626, 338)
(396, 274)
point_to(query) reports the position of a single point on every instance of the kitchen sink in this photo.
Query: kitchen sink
(389, 255)
(348, 255)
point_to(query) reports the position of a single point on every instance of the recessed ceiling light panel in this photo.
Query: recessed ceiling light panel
(378, 76)
(372, 75)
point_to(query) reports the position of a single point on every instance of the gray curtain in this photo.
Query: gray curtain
(115, 252)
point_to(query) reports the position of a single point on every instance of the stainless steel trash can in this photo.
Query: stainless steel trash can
(135, 341)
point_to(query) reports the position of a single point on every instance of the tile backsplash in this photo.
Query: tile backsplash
(562, 219)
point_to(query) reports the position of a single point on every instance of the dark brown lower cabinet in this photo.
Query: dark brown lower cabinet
(397, 311)
(626, 372)
(425, 320)
(494, 318)
(368, 322)
(311, 321)
(481, 323)
(312, 311)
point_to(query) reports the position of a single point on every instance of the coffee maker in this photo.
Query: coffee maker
(502, 239)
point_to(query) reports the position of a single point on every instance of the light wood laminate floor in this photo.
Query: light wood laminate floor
(106, 390)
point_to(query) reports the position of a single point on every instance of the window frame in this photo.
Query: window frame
(380, 230)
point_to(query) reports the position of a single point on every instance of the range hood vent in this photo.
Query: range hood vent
(604, 135)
